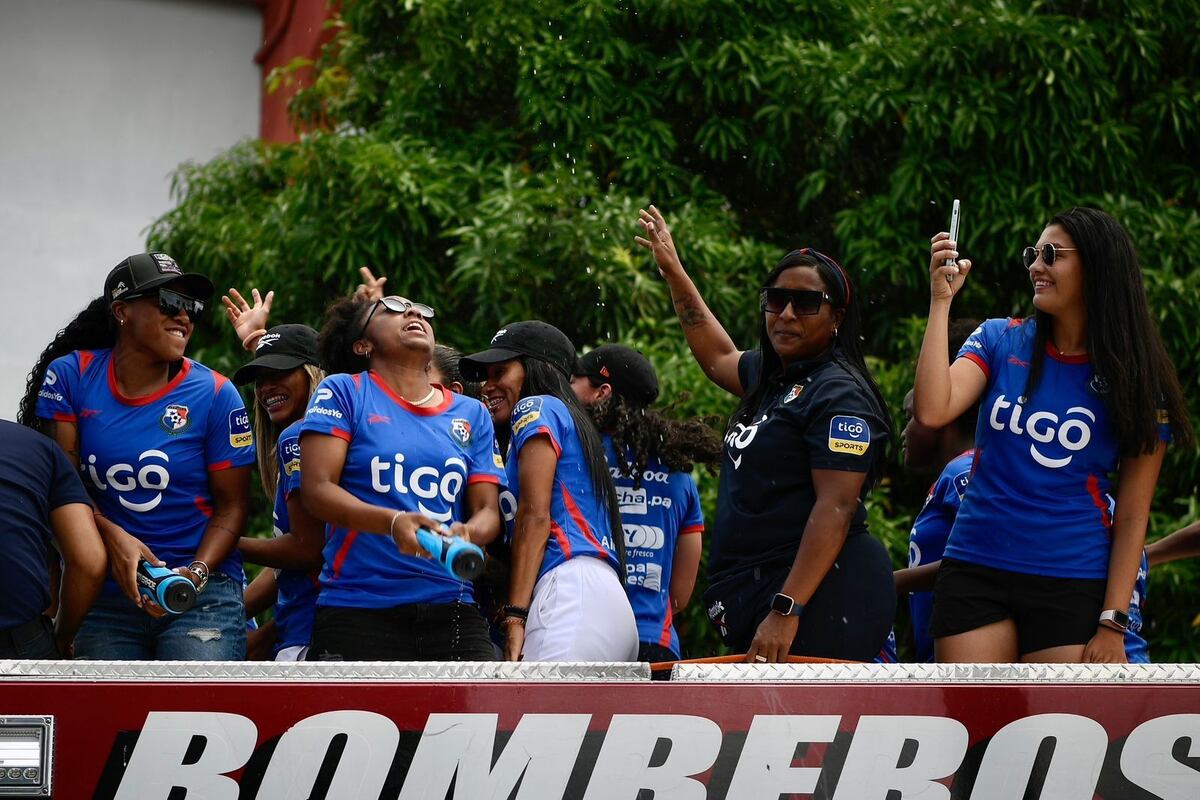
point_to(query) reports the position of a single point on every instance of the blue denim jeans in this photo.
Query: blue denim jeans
(213, 630)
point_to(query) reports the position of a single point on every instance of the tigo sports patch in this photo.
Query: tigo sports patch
(239, 428)
(849, 435)
(526, 411)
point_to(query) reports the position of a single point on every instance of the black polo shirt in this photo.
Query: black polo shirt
(814, 415)
(35, 479)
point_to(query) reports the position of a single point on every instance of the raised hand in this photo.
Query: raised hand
(371, 288)
(659, 242)
(249, 321)
(945, 281)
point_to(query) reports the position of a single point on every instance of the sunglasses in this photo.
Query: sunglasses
(805, 302)
(171, 303)
(396, 306)
(1048, 252)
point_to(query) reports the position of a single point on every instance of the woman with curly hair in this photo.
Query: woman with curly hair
(651, 459)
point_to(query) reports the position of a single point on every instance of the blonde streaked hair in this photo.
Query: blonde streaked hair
(266, 435)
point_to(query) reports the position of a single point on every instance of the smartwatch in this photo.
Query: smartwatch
(786, 606)
(1117, 620)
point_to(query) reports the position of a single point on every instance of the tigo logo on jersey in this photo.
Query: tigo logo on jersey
(427, 483)
(849, 435)
(460, 431)
(291, 454)
(1043, 427)
(175, 419)
(239, 428)
(122, 478)
(526, 412)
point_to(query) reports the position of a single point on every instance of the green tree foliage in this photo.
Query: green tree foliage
(490, 158)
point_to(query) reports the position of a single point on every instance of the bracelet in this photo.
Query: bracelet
(392, 524)
(200, 570)
(513, 620)
(253, 335)
(520, 612)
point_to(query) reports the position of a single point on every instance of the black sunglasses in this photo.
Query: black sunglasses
(1047, 251)
(171, 303)
(395, 305)
(805, 302)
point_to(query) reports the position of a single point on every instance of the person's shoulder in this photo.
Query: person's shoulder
(538, 405)
(292, 431)
(15, 435)
(78, 361)
(204, 375)
(462, 405)
(836, 380)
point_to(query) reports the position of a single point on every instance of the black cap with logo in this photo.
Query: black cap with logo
(532, 338)
(283, 347)
(138, 275)
(626, 370)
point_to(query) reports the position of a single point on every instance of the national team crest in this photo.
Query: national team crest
(175, 419)
(793, 393)
(460, 431)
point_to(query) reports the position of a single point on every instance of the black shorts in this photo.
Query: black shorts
(1048, 612)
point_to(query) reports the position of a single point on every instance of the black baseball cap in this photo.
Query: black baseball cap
(531, 338)
(628, 372)
(138, 275)
(283, 347)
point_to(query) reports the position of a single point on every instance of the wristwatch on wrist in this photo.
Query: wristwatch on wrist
(786, 606)
(1117, 620)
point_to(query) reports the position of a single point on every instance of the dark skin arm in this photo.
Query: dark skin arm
(299, 548)
(84, 567)
(230, 490)
(531, 531)
(916, 579)
(1183, 543)
(824, 534)
(261, 593)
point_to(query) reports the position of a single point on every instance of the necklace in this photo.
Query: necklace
(425, 399)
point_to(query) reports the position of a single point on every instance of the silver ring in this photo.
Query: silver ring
(760, 659)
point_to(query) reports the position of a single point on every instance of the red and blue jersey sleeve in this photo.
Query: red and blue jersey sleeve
(540, 415)
(484, 464)
(333, 407)
(287, 451)
(229, 440)
(59, 392)
(984, 345)
(693, 515)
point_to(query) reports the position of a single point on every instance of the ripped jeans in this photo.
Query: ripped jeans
(214, 630)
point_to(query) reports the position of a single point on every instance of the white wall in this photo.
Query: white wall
(100, 100)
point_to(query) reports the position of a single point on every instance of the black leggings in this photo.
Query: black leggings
(849, 617)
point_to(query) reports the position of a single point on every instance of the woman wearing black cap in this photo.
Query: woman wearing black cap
(791, 567)
(566, 601)
(166, 448)
(651, 459)
(285, 372)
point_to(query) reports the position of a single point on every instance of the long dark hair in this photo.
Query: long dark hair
(335, 342)
(645, 435)
(91, 329)
(541, 378)
(847, 344)
(1124, 346)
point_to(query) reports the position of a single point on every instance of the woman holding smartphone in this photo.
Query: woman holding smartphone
(1038, 566)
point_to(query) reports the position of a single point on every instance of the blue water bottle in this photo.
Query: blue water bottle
(175, 593)
(461, 559)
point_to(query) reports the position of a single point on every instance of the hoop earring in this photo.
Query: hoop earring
(835, 332)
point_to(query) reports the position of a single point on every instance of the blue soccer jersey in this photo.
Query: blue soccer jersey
(411, 458)
(146, 460)
(654, 516)
(579, 522)
(1137, 650)
(1037, 503)
(927, 541)
(296, 602)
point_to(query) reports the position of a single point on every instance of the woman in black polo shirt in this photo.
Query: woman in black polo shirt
(791, 566)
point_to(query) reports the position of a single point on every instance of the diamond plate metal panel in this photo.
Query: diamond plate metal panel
(309, 672)
(1140, 674)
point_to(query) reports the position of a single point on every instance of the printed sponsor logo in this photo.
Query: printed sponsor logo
(631, 501)
(46, 394)
(377, 419)
(350, 754)
(525, 413)
(50, 378)
(239, 428)
(460, 431)
(166, 264)
(119, 289)
(320, 396)
(849, 435)
(649, 537)
(647, 576)
(134, 479)
(508, 506)
(499, 333)
(266, 340)
(426, 483)
(1072, 432)
(914, 552)
(291, 454)
(650, 476)
(175, 419)
(960, 483)
(740, 438)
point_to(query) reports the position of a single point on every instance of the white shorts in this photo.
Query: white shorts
(294, 653)
(579, 612)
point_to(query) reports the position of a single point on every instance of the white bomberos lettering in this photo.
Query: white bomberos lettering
(427, 483)
(1072, 433)
(668, 754)
(122, 478)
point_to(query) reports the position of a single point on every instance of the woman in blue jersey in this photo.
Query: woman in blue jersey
(792, 567)
(1039, 567)
(566, 601)
(651, 460)
(165, 447)
(385, 452)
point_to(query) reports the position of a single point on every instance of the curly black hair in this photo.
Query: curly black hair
(339, 331)
(91, 329)
(646, 435)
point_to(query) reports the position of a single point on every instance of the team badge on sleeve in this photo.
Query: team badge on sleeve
(849, 435)
(175, 419)
(793, 393)
(460, 431)
(239, 428)
(526, 412)
(292, 452)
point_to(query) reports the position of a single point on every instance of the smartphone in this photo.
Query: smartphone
(953, 237)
